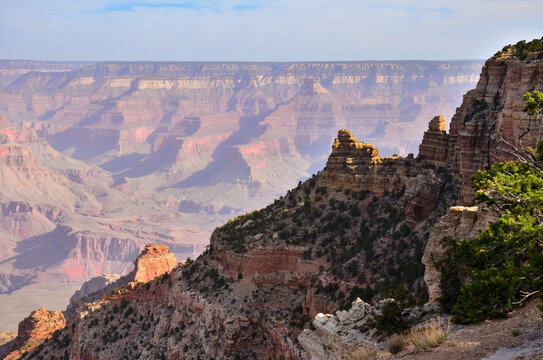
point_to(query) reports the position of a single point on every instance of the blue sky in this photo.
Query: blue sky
(263, 30)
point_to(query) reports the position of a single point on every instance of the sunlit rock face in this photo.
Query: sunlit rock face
(154, 260)
(33, 331)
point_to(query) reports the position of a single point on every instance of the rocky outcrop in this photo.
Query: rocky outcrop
(154, 260)
(435, 142)
(95, 284)
(338, 336)
(92, 290)
(460, 224)
(356, 166)
(141, 152)
(33, 331)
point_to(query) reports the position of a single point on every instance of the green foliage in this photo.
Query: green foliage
(533, 105)
(522, 48)
(505, 261)
(390, 321)
(453, 272)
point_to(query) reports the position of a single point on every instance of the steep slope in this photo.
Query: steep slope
(101, 158)
(33, 331)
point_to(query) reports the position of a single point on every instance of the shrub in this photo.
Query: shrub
(429, 336)
(390, 320)
(396, 343)
(505, 261)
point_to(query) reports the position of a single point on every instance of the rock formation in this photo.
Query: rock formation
(435, 142)
(490, 117)
(338, 336)
(39, 326)
(154, 260)
(80, 227)
(357, 229)
(356, 166)
(92, 290)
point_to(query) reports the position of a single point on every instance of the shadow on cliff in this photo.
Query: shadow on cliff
(249, 129)
(40, 252)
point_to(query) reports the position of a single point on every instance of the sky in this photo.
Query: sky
(263, 30)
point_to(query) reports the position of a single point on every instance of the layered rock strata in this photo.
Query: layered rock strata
(154, 260)
(356, 166)
(355, 219)
(435, 142)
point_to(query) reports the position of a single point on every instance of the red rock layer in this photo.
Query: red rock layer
(154, 260)
(34, 330)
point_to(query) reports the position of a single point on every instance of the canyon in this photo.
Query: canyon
(363, 227)
(99, 159)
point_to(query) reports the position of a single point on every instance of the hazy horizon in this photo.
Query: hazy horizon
(240, 61)
(262, 31)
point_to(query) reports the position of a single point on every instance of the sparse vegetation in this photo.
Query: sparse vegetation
(428, 336)
(391, 320)
(396, 343)
(368, 352)
(522, 49)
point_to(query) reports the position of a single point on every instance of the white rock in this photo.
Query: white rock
(247, 223)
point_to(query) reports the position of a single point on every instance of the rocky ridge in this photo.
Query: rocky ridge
(61, 222)
(154, 260)
(460, 223)
(342, 335)
(33, 331)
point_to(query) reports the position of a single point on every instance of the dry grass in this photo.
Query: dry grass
(362, 353)
(396, 343)
(429, 336)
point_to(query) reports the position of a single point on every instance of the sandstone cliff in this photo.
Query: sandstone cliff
(154, 260)
(459, 224)
(61, 222)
